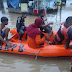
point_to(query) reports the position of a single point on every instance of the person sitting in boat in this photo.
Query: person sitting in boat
(64, 32)
(20, 25)
(4, 31)
(45, 28)
(34, 35)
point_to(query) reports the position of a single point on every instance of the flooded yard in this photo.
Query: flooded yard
(11, 63)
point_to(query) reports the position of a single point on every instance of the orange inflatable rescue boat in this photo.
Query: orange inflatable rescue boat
(22, 48)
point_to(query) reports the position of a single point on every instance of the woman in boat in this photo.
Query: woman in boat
(34, 35)
(64, 32)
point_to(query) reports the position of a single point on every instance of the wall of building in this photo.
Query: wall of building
(1, 3)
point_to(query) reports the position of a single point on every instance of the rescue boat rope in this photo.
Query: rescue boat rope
(26, 51)
(33, 52)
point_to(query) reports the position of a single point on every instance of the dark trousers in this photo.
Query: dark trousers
(22, 32)
(46, 30)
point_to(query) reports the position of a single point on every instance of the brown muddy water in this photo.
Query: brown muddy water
(11, 63)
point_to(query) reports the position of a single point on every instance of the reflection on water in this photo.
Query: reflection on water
(11, 63)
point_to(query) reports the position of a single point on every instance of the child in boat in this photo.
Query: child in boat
(64, 32)
(34, 35)
(45, 28)
(4, 31)
(20, 25)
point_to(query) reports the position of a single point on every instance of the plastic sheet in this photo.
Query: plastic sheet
(13, 3)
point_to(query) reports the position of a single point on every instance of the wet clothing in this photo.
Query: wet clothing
(22, 32)
(46, 29)
(63, 33)
(34, 35)
(2, 35)
(20, 25)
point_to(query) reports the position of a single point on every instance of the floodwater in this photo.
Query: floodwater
(11, 63)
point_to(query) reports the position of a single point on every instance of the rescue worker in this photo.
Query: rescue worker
(64, 33)
(34, 34)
